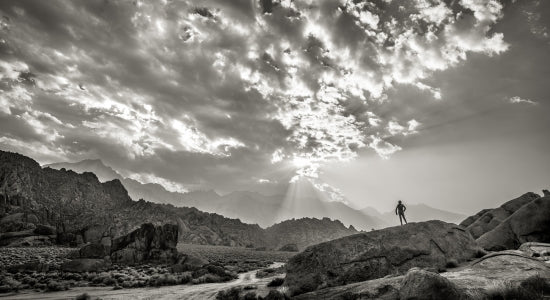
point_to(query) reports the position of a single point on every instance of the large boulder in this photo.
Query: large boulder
(423, 285)
(147, 243)
(530, 223)
(379, 253)
(492, 218)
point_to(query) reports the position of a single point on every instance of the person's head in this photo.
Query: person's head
(399, 201)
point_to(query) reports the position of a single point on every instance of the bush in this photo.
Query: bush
(84, 296)
(507, 290)
(537, 285)
(452, 263)
(55, 286)
(231, 294)
(275, 295)
(250, 296)
(276, 282)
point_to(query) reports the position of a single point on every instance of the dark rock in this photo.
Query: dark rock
(379, 253)
(148, 243)
(289, 248)
(44, 230)
(423, 285)
(530, 223)
(85, 265)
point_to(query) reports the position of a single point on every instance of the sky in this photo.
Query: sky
(429, 101)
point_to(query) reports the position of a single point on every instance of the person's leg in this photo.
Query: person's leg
(404, 218)
(400, 220)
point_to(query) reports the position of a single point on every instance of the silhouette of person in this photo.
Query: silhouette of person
(400, 209)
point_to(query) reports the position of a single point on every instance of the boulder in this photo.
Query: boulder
(534, 249)
(471, 219)
(93, 251)
(379, 253)
(492, 218)
(423, 285)
(44, 230)
(289, 248)
(147, 243)
(530, 223)
(85, 265)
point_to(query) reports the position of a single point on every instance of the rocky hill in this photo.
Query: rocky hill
(306, 231)
(77, 208)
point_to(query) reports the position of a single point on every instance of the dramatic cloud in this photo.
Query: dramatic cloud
(189, 93)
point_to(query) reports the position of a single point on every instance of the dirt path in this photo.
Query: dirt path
(200, 291)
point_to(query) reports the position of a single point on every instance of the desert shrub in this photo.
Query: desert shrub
(505, 290)
(117, 287)
(109, 281)
(250, 287)
(207, 278)
(84, 296)
(230, 294)
(5, 288)
(451, 263)
(127, 284)
(275, 295)
(185, 277)
(276, 282)
(250, 296)
(55, 286)
(537, 285)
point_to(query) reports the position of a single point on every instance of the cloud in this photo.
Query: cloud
(225, 90)
(517, 99)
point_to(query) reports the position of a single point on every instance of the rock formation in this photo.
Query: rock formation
(375, 254)
(147, 243)
(530, 223)
(492, 218)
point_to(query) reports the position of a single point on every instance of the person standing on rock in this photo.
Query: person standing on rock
(400, 210)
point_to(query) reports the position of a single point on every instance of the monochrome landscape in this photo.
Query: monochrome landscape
(274, 149)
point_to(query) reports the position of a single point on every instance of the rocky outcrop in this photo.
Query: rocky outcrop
(305, 232)
(490, 219)
(478, 279)
(424, 285)
(471, 219)
(530, 223)
(379, 253)
(148, 243)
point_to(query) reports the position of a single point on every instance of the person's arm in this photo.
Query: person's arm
(396, 209)
(404, 208)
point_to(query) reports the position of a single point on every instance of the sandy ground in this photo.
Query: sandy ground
(200, 291)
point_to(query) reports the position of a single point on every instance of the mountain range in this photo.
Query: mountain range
(255, 208)
(76, 208)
